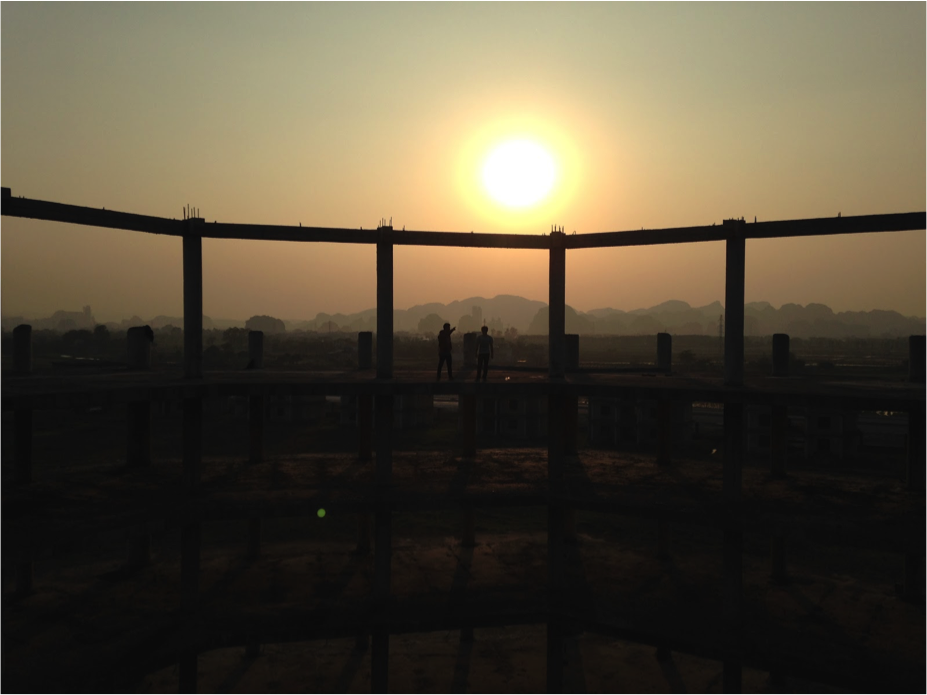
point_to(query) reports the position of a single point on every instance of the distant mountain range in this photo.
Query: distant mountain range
(531, 317)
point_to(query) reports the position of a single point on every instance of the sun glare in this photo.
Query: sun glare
(519, 173)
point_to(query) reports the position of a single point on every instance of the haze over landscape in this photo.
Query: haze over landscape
(648, 116)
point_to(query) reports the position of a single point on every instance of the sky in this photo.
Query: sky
(654, 115)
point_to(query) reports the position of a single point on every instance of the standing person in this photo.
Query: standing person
(484, 352)
(444, 351)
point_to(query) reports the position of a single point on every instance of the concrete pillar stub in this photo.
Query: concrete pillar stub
(780, 356)
(365, 350)
(22, 349)
(256, 349)
(138, 346)
(664, 352)
(916, 357)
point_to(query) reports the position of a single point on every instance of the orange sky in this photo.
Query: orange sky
(340, 114)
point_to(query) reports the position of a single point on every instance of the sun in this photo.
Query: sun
(519, 173)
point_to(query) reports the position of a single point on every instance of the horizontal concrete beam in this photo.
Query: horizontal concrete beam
(862, 224)
(75, 214)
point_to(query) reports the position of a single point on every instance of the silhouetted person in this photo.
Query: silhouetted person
(444, 351)
(484, 352)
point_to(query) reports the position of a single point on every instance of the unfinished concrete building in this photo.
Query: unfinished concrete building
(725, 536)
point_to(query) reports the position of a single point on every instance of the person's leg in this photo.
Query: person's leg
(450, 366)
(440, 365)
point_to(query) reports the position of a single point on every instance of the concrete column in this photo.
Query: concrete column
(571, 348)
(22, 446)
(256, 349)
(468, 537)
(257, 417)
(385, 304)
(364, 350)
(138, 346)
(192, 300)
(557, 304)
(664, 352)
(556, 528)
(192, 442)
(917, 357)
(379, 660)
(382, 560)
(187, 672)
(915, 465)
(365, 427)
(733, 546)
(254, 537)
(780, 356)
(469, 350)
(467, 404)
(138, 434)
(778, 440)
(664, 431)
(22, 349)
(569, 525)
(735, 258)
(383, 420)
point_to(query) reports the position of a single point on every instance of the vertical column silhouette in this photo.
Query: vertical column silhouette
(557, 305)
(556, 528)
(192, 299)
(733, 546)
(735, 257)
(385, 304)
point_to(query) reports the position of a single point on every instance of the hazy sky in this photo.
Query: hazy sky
(657, 115)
